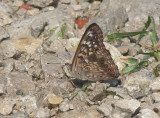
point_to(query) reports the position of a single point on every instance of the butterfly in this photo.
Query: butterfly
(92, 61)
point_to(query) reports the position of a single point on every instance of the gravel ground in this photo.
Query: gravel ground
(38, 41)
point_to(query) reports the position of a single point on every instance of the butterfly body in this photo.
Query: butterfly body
(92, 61)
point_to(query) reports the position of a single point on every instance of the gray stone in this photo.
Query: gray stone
(2, 90)
(136, 20)
(6, 10)
(147, 113)
(65, 106)
(96, 89)
(20, 66)
(6, 107)
(123, 49)
(21, 13)
(133, 50)
(79, 105)
(43, 113)
(137, 84)
(120, 114)
(3, 83)
(156, 96)
(3, 34)
(65, 1)
(79, 1)
(81, 95)
(18, 3)
(49, 8)
(106, 108)
(5, 7)
(151, 106)
(111, 18)
(145, 42)
(30, 24)
(28, 104)
(120, 91)
(22, 28)
(147, 100)
(39, 3)
(88, 113)
(125, 41)
(16, 115)
(155, 85)
(61, 87)
(84, 5)
(19, 81)
(37, 27)
(128, 104)
(8, 49)
(53, 111)
(8, 65)
(95, 6)
(51, 65)
(33, 12)
(77, 7)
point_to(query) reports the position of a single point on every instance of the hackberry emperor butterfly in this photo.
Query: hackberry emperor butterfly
(92, 61)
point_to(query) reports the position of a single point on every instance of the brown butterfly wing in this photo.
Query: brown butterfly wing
(92, 61)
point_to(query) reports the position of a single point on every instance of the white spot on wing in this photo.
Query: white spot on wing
(89, 45)
(86, 60)
(95, 62)
(90, 32)
(95, 46)
(88, 42)
(90, 35)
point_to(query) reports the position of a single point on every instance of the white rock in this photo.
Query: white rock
(138, 83)
(30, 103)
(73, 42)
(5, 19)
(156, 96)
(18, 3)
(77, 7)
(1, 88)
(39, 3)
(6, 107)
(155, 85)
(147, 113)
(8, 48)
(89, 113)
(65, 106)
(131, 104)
(119, 114)
(105, 108)
(33, 12)
(65, 1)
(43, 113)
(3, 33)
